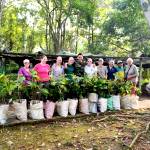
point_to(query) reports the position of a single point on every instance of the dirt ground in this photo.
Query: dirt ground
(144, 102)
(113, 131)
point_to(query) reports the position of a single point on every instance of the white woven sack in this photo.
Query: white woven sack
(134, 102)
(84, 106)
(116, 102)
(36, 109)
(93, 97)
(148, 87)
(73, 103)
(102, 103)
(130, 102)
(3, 113)
(125, 102)
(62, 108)
(92, 107)
(21, 110)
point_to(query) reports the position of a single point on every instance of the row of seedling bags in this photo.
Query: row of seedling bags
(41, 110)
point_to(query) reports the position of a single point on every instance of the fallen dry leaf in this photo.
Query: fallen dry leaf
(9, 143)
(75, 136)
(89, 130)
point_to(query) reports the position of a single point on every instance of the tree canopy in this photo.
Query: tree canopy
(108, 27)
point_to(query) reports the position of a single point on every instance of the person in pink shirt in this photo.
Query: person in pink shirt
(43, 73)
(43, 70)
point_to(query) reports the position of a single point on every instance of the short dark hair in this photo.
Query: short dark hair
(42, 56)
(80, 54)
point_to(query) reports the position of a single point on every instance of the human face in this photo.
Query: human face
(71, 60)
(111, 63)
(120, 64)
(100, 63)
(129, 62)
(80, 58)
(89, 62)
(59, 60)
(27, 64)
(44, 60)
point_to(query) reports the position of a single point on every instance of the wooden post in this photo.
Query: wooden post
(2, 65)
(140, 72)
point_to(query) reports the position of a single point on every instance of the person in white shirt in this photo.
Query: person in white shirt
(90, 69)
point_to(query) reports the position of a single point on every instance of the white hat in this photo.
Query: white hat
(26, 61)
(119, 62)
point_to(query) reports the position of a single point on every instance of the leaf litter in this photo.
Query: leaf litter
(114, 132)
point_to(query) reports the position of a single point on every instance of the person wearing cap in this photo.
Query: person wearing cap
(120, 70)
(111, 70)
(25, 71)
(79, 65)
(101, 69)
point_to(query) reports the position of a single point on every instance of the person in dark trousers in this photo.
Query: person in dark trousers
(79, 65)
(111, 70)
(26, 73)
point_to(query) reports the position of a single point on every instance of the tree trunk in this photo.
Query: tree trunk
(146, 8)
(56, 46)
(92, 35)
(89, 38)
(77, 34)
(1, 11)
(46, 35)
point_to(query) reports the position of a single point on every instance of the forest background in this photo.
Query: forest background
(102, 27)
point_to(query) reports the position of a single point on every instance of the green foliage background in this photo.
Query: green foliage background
(108, 27)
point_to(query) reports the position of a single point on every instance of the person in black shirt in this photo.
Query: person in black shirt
(79, 65)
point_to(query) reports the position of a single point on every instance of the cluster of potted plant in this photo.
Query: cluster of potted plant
(13, 93)
(129, 100)
(58, 92)
(63, 95)
(8, 87)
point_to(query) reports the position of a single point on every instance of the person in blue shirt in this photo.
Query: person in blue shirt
(111, 70)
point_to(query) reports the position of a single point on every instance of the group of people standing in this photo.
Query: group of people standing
(80, 68)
